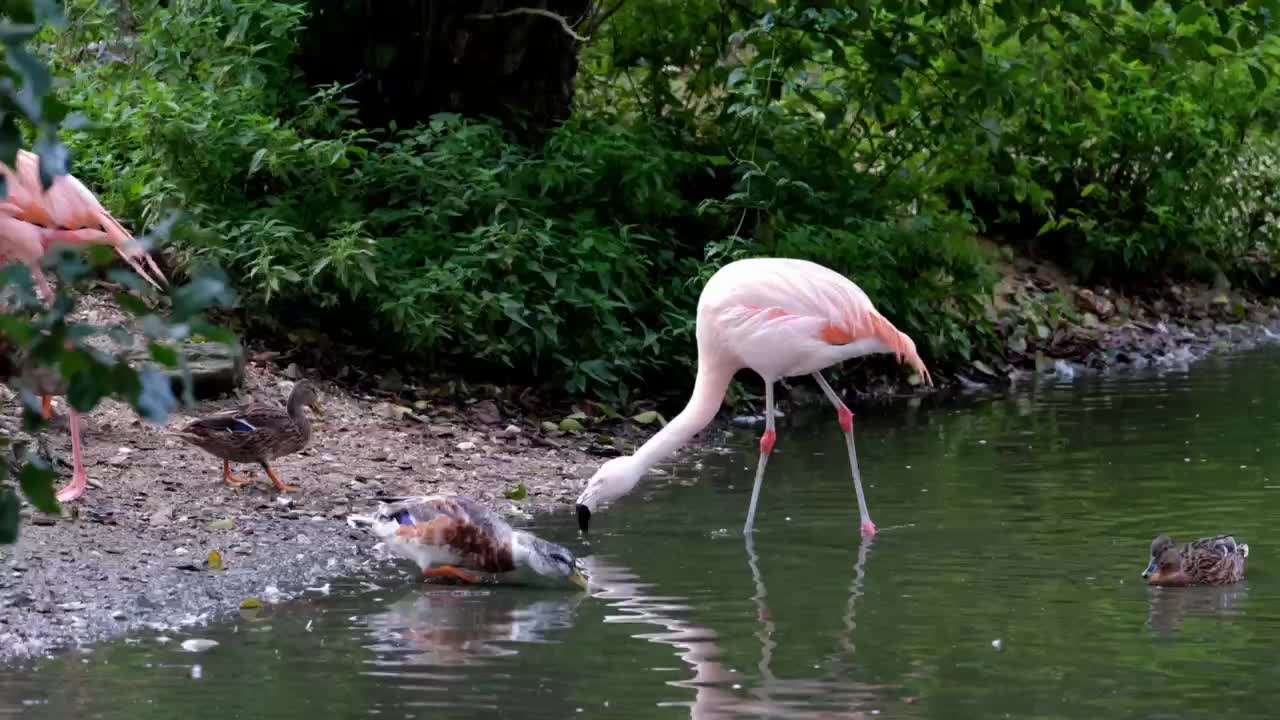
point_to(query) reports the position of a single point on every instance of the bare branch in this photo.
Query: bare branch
(600, 17)
(531, 11)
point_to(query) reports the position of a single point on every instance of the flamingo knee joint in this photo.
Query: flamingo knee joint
(846, 419)
(766, 442)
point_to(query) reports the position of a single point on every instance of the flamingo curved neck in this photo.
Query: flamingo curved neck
(708, 393)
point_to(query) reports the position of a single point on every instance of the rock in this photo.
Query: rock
(466, 446)
(391, 381)
(215, 369)
(1090, 301)
(485, 412)
(391, 411)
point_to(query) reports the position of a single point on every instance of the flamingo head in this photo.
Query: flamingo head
(613, 480)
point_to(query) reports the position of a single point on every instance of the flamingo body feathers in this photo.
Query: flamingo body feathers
(784, 317)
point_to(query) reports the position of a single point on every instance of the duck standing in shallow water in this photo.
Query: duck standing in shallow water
(454, 536)
(256, 433)
(1208, 561)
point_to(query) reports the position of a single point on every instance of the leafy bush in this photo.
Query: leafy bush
(872, 139)
(1124, 167)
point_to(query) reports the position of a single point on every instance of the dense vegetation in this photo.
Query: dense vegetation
(1133, 139)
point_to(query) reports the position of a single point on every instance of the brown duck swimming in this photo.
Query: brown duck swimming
(1208, 561)
(256, 433)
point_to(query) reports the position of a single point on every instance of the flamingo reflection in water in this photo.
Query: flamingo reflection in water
(713, 684)
(445, 629)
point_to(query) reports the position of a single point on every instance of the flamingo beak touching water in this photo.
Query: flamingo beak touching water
(584, 518)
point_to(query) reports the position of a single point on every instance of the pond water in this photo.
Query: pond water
(1004, 584)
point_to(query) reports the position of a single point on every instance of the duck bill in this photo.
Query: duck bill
(577, 578)
(1151, 570)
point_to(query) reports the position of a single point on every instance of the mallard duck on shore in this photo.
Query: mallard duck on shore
(256, 433)
(456, 537)
(1216, 560)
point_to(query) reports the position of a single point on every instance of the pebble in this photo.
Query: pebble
(197, 645)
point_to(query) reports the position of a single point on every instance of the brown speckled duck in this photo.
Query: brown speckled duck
(256, 433)
(1208, 561)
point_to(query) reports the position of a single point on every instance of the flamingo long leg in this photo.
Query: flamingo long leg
(846, 424)
(79, 478)
(766, 449)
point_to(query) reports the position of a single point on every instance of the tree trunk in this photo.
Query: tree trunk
(412, 59)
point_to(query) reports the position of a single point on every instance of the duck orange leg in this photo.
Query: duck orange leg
(450, 571)
(231, 478)
(281, 485)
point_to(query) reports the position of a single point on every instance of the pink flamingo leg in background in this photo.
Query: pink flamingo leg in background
(79, 478)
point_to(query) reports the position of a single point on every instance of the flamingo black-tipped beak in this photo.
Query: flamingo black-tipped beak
(584, 518)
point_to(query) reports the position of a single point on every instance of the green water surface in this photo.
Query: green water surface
(1004, 584)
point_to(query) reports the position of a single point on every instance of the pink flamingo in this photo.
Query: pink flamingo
(31, 221)
(781, 318)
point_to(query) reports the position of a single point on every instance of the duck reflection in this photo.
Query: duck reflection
(1168, 607)
(454, 628)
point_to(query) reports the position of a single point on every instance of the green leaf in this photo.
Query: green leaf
(36, 480)
(163, 354)
(9, 516)
(649, 417)
(1259, 77)
(1191, 13)
(1224, 21)
(519, 492)
(1031, 30)
(256, 163)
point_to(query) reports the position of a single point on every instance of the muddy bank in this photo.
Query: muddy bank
(130, 554)
(1048, 324)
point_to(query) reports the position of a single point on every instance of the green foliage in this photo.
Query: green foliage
(41, 336)
(872, 137)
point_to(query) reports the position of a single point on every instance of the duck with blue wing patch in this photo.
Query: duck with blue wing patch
(256, 433)
(455, 537)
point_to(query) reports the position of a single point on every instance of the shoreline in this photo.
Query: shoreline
(129, 558)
